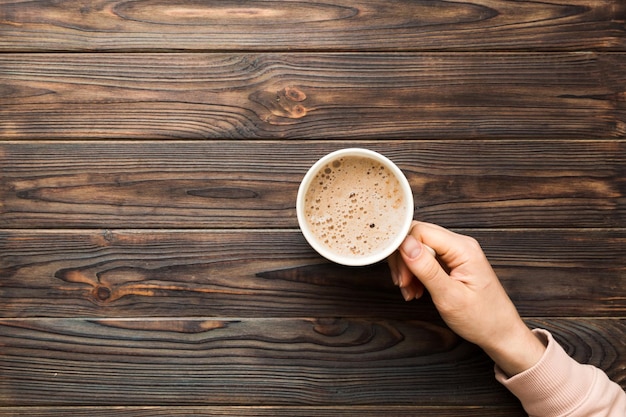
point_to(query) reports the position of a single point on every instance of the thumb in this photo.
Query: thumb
(424, 266)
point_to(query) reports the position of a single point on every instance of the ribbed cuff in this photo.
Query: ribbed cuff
(555, 386)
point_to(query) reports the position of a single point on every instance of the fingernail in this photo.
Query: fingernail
(405, 293)
(411, 247)
(419, 294)
(394, 277)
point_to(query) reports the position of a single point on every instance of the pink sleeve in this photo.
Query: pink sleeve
(560, 386)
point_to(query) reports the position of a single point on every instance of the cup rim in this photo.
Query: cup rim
(322, 249)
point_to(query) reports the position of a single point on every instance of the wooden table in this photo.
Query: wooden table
(150, 257)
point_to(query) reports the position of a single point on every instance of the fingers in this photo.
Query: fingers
(414, 267)
(394, 261)
(452, 248)
(413, 290)
(420, 263)
(402, 277)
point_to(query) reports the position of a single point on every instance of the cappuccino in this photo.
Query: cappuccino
(356, 207)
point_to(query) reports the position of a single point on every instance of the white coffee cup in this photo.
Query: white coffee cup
(356, 220)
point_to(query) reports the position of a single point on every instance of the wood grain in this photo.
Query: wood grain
(249, 184)
(261, 273)
(263, 362)
(313, 96)
(332, 25)
(263, 411)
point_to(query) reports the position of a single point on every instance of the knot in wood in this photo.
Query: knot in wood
(298, 111)
(102, 293)
(294, 94)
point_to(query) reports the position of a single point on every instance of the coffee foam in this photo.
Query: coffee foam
(354, 206)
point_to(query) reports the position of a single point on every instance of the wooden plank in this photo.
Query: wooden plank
(266, 362)
(313, 96)
(263, 411)
(332, 25)
(249, 184)
(261, 273)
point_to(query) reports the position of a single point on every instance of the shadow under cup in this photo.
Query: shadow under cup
(355, 207)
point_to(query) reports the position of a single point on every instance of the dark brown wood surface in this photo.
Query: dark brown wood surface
(331, 25)
(256, 273)
(314, 96)
(150, 155)
(252, 184)
(266, 361)
(265, 411)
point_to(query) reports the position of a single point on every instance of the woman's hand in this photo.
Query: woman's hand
(466, 292)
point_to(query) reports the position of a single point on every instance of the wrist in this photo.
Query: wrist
(517, 352)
